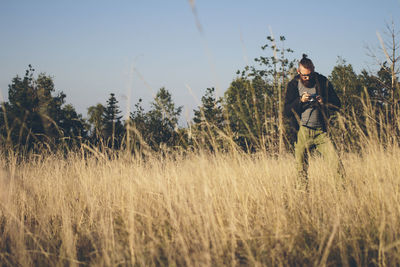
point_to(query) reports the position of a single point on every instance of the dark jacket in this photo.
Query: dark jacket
(294, 108)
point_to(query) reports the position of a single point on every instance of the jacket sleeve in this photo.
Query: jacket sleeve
(333, 101)
(292, 100)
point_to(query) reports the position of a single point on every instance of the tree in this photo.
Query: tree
(33, 115)
(210, 111)
(113, 129)
(72, 123)
(389, 68)
(95, 114)
(208, 119)
(163, 119)
(278, 68)
(348, 87)
(254, 100)
(245, 104)
(136, 127)
(138, 117)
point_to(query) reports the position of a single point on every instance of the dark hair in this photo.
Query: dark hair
(306, 62)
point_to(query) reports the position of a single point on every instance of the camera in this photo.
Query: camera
(313, 97)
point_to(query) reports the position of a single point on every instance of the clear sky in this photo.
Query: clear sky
(133, 47)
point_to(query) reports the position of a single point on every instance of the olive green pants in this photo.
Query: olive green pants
(308, 140)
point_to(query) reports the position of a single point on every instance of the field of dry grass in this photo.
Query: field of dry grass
(200, 209)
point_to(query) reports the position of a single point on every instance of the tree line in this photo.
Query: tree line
(249, 115)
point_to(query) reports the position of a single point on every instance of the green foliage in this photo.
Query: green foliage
(210, 111)
(366, 104)
(138, 117)
(33, 115)
(72, 123)
(254, 99)
(159, 126)
(276, 67)
(163, 119)
(136, 126)
(113, 129)
(348, 87)
(250, 113)
(378, 85)
(95, 119)
(209, 121)
(246, 105)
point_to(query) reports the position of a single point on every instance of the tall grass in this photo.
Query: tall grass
(200, 209)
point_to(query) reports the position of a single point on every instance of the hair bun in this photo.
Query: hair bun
(305, 56)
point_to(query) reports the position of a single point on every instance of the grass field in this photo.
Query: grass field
(201, 209)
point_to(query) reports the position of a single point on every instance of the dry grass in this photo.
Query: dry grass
(199, 210)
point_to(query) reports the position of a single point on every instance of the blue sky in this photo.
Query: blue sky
(132, 48)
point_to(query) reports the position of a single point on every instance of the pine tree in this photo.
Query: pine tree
(208, 120)
(113, 128)
(136, 127)
(210, 111)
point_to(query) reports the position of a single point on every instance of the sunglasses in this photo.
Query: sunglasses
(306, 75)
